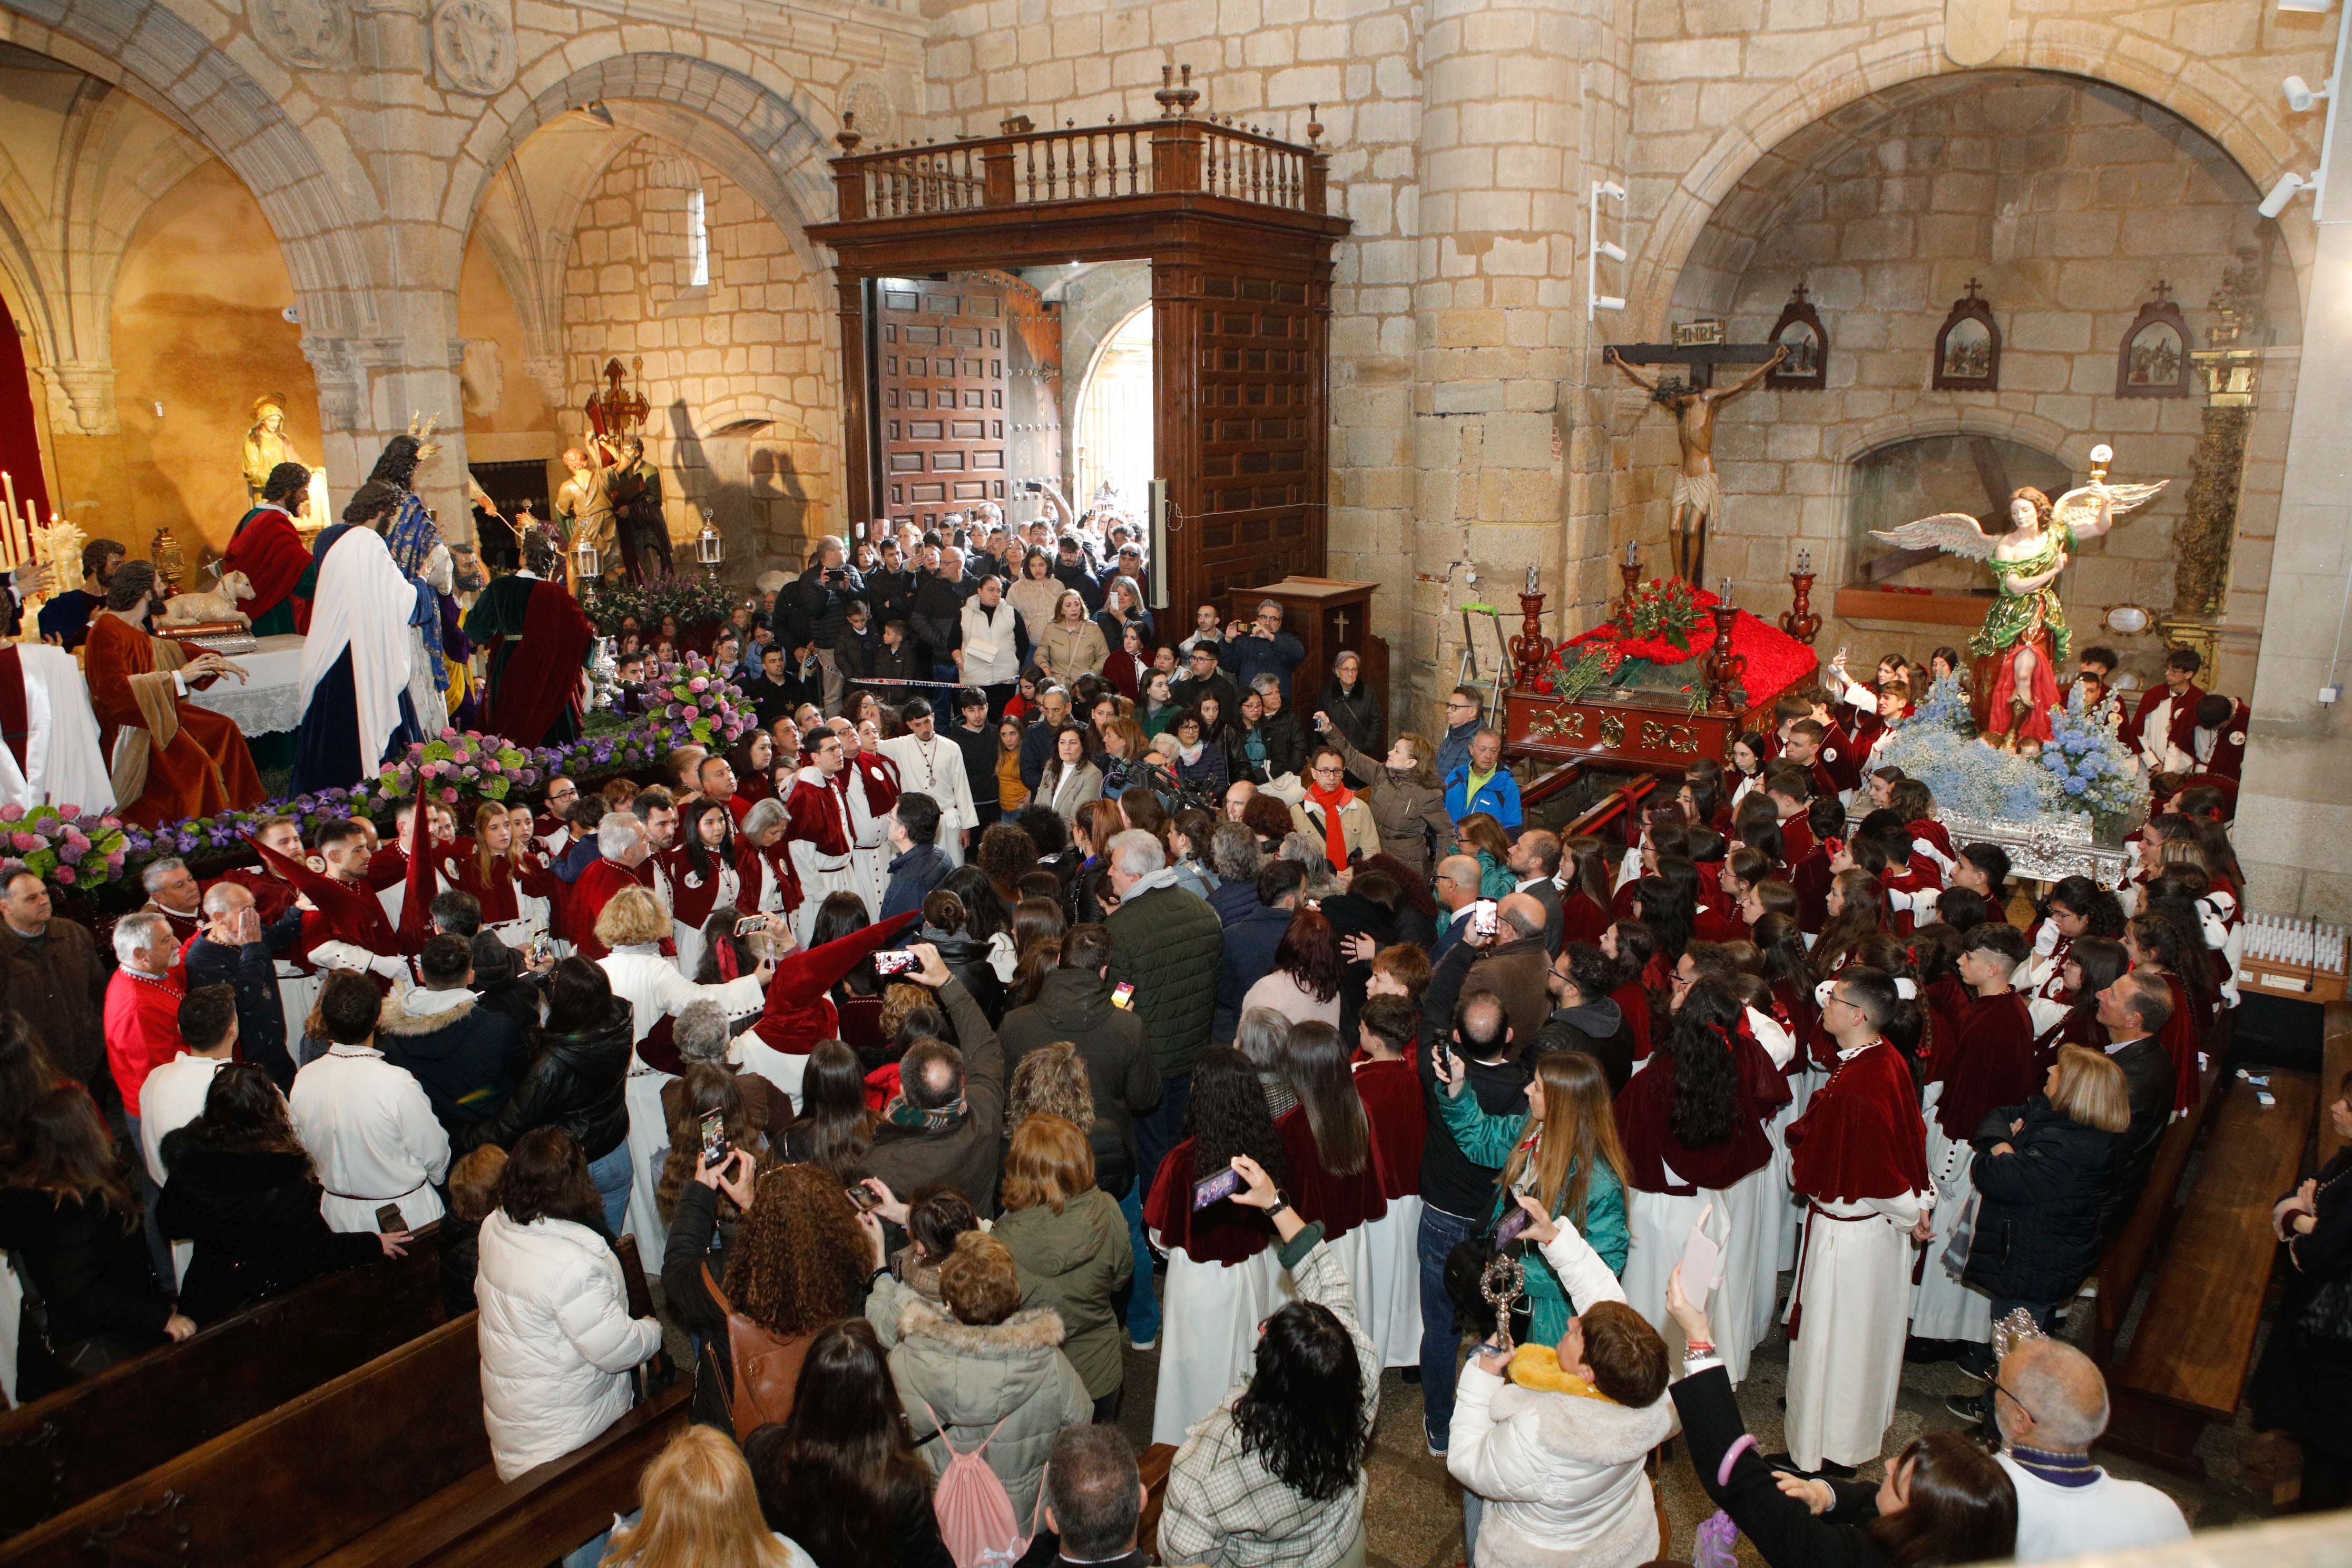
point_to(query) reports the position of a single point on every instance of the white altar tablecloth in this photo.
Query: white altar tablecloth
(270, 700)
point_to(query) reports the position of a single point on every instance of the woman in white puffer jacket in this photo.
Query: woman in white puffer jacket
(1549, 1446)
(557, 1341)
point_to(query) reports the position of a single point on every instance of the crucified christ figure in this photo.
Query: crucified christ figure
(1698, 497)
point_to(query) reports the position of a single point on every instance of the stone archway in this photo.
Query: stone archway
(2245, 124)
(146, 47)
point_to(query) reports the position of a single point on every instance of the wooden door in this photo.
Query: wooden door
(940, 378)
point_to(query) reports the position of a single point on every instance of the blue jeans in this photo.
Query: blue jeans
(593, 1553)
(1142, 1312)
(1162, 1127)
(611, 1173)
(1441, 1340)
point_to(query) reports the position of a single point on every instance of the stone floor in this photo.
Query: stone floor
(1412, 1511)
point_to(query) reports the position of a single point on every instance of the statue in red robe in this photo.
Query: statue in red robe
(170, 760)
(270, 551)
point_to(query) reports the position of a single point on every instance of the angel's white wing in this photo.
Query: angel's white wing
(1955, 533)
(2078, 508)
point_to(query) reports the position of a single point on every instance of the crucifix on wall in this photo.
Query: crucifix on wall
(1698, 497)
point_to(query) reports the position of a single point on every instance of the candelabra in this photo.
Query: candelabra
(1530, 650)
(1629, 569)
(1799, 621)
(1723, 667)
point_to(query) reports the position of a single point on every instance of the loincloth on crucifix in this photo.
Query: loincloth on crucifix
(1700, 492)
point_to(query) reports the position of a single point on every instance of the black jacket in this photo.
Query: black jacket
(889, 594)
(1074, 1004)
(254, 1217)
(1599, 1030)
(467, 1058)
(967, 960)
(575, 1081)
(1785, 1531)
(93, 1275)
(1450, 1180)
(1355, 713)
(934, 617)
(248, 972)
(2147, 1072)
(1248, 958)
(2037, 1236)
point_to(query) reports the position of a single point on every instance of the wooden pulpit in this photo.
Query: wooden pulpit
(1328, 616)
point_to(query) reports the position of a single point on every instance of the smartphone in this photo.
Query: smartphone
(1122, 995)
(864, 1199)
(542, 947)
(1217, 1184)
(895, 961)
(751, 923)
(714, 1136)
(388, 1219)
(1482, 917)
(1445, 1058)
(1702, 1261)
(1514, 1225)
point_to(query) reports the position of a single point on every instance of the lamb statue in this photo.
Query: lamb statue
(195, 609)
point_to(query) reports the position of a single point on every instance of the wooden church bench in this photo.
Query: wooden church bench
(81, 1440)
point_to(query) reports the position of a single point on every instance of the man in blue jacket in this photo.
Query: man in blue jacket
(1483, 783)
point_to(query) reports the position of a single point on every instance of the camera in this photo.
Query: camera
(1034, 487)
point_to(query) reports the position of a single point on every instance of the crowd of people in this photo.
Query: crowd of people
(1127, 995)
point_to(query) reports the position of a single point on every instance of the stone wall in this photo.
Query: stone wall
(2068, 202)
(738, 365)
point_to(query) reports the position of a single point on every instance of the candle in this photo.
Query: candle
(1726, 595)
(1804, 563)
(1632, 557)
(1531, 580)
(8, 487)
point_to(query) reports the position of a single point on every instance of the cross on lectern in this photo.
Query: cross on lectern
(1702, 358)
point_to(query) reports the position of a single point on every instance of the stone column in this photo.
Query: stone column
(2294, 829)
(1497, 306)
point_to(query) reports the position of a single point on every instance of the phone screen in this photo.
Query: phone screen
(1216, 1185)
(751, 923)
(1512, 1227)
(714, 1136)
(895, 961)
(1123, 994)
(864, 1199)
(1482, 917)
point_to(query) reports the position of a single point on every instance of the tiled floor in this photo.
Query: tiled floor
(1413, 1509)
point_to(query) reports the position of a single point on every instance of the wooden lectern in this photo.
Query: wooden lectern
(1328, 616)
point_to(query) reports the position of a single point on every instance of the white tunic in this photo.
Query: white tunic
(1210, 1315)
(655, 990)
(935, 768)
(1941, 1307)
(869, 832)
(823, 874)
(373, 1137)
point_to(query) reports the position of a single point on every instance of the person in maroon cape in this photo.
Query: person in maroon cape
(2166, 720)
(346, 928)
(1335, 1176)
(1858, 1157)
(1983, 1063)
(623, 859)
(534, 700)
(268, 549)
(1216, 1290)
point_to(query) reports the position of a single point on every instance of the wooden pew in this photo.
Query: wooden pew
(2189, 1358)
(1155, 1464)
(2134, 1249)
(82, 1440)
(389, 1464)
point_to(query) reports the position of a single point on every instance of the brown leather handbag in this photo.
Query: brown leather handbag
(767, 1368)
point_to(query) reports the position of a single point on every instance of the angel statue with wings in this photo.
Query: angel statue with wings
(2024, 641)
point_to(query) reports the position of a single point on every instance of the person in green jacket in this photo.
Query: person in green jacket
(1070, 1241)
(1565, 1152)
(1479, 834)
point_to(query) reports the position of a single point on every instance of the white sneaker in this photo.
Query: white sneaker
(1143, 1345)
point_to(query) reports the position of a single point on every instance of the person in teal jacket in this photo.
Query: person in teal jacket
(1564, 1152)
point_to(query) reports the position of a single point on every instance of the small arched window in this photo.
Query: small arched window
(697, 238)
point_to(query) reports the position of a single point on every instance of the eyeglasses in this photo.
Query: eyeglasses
(1999, 1389)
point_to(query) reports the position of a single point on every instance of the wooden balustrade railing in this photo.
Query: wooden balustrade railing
(1069, 164)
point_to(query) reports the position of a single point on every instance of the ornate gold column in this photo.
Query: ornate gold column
(2231, 370)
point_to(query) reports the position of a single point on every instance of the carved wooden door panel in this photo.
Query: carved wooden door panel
(941, 385)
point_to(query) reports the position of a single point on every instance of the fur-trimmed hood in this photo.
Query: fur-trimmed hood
(396, 1018)
(1583, 1430)
(1025, 1334)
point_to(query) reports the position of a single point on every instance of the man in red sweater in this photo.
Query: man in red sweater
(623, 859)
(143, 1033)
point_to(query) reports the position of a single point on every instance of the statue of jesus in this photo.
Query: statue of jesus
(1698, 497)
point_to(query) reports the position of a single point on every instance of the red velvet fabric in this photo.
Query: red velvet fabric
(1400, 1118)
(1985, 1063)
(1862, 1135)
(1645, 1110)
(1224, 1233)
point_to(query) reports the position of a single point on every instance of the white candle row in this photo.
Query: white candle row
(2301, 943)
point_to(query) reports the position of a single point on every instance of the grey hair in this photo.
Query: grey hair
(616, 832)
(1265, 683)
(701, 1033)
(1308, 853)
(1136, 853)
(1264, 1036)
(1234, 853)
(134, 934)
(152, 877)
(1297, 845)
(1265, 604)
(2062, 1388)
(222, 895)
(763, 814)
